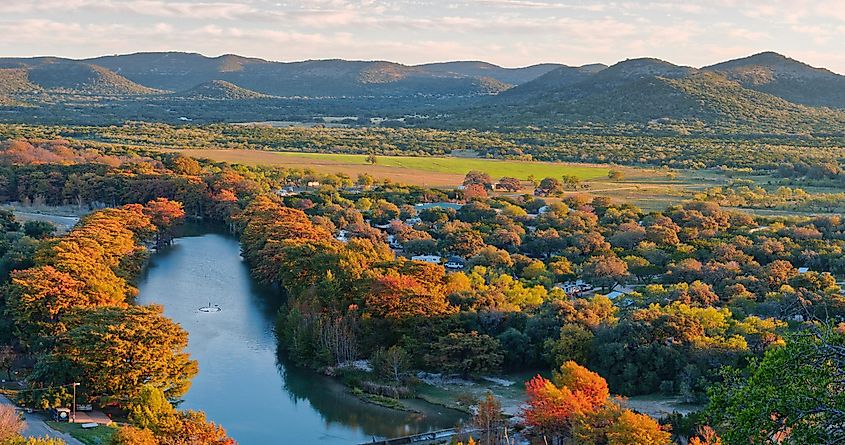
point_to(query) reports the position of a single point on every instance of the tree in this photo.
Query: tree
(404, 296)
(7, 358)
(793, 395)
(127, 435)
(607, 271)
(466, 354)
(184, 165)
(165, 215)
(706, 436)
(637, 429)
(38, 229)
(615, 175)
(551, 186)
(553, 405)
(478, 177)
(489, 420)
(474, 192)
(40, 296)
(11, 423)
(192, 428)
(391, 363)
(510, 184)
(114, 352)
(150, 408)
(372, 159)
(573, 344)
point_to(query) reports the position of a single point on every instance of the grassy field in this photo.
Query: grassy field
(455, 165)
(650, 189)
(90, 436)
(430, 171)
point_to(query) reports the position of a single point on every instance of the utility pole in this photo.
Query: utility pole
(73, 410)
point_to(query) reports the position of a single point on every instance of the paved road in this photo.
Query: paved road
(35, 426)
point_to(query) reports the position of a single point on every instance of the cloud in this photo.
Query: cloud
(509, 32)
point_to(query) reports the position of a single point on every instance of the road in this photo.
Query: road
(35, 426)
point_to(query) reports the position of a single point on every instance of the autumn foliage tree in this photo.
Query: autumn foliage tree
(112, 352)
(165, 215)
(575, 403)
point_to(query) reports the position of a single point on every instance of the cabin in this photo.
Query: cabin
(432, 259)
(312, 184)
(455, 263)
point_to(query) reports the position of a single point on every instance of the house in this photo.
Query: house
(614, 294)
(312, 184)
(287, 191)
(393, 242)
(433, 259)
(455, 263)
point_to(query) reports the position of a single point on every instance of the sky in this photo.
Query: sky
(506, 32)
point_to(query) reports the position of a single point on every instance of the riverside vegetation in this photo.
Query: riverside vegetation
(718, 306)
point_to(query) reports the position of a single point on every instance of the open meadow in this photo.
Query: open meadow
(649, 188)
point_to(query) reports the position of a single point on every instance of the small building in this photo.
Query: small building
(433, 259)
(312, 184)
(803, 270)
(60, 414)
(455, 263)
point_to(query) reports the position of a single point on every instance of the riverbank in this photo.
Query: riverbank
(243, 383)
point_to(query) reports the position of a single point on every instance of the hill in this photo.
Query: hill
(556, 81)
(786, 78)
(511, 76)
(657, 94)
(312, 78)
(57, 75)
(219, 90)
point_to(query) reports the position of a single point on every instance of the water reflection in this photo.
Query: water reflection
(243, 382)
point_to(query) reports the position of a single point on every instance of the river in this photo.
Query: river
(243, 384)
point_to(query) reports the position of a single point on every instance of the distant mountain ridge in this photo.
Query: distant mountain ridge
(787, 78)
(312, 78)
(653, 92)
(765, 92)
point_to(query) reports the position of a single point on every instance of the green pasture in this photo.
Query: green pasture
(453, 165)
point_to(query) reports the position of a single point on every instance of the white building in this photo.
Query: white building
(433, 259)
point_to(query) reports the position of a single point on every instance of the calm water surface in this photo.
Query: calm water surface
(242, 383)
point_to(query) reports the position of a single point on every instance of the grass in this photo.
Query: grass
(99, 435)
(424, 171)
(460, 166)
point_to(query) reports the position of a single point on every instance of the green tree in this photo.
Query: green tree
(391, 363)
(795, 394)
(466, 354)
(150, 408)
